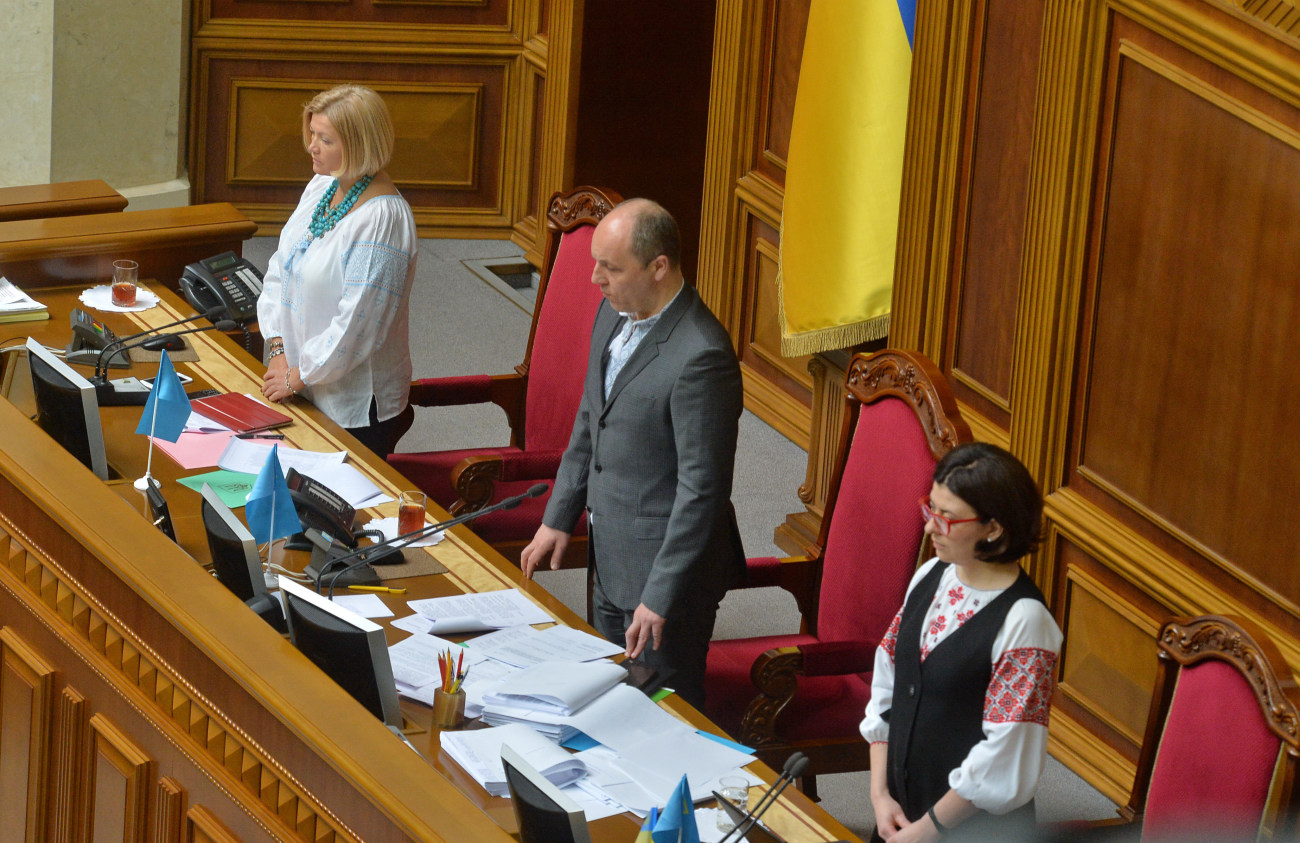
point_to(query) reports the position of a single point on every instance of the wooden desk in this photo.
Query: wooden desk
(140, 700)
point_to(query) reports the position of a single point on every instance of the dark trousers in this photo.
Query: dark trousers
(683, 649)
(381, 436)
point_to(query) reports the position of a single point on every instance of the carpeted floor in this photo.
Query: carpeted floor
(463, 324)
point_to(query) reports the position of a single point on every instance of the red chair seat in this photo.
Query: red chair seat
(825, 707)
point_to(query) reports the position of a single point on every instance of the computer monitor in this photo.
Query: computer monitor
(349, 648)
(235, 558)
(67, 408)
(544, 813)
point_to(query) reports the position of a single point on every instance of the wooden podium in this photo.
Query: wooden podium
(141, 701)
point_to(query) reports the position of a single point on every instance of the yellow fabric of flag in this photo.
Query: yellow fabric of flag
(844, 176)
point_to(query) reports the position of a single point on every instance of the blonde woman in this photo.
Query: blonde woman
(334, 306)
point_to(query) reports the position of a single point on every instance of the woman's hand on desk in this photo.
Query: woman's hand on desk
(280, 383)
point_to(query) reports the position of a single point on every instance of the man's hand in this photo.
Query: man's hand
(646, 628)
(548, 543)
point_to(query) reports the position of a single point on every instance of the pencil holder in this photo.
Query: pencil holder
(448, 709)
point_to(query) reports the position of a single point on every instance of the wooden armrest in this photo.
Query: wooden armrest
(475, 477)
(775, 675)
(506, 391)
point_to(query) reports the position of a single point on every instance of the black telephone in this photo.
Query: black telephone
(227, 280)
(321, 508)
(89, 338)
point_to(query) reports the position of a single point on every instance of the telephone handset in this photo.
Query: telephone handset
(227, 280)
(89, 338)
(321, 508)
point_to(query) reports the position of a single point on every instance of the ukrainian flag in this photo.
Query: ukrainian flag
(844, 175)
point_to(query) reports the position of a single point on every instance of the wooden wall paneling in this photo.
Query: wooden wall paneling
(202, 827)
(120, 774)
(558, 57)
(67, 807)
(26, 700)
(991, 208)
(757, 49)
(643, 106)
(935, 113)
(463, 79)
(1217, 436)
(449, 114)
(169, 811)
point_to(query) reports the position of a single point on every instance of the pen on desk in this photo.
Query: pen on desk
(382, 589)
(259, 435)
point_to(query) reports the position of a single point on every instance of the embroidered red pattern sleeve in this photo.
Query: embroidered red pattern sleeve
(1021, 688)
(891, 635)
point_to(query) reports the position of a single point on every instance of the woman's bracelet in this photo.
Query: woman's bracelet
(938, 826)
(276, 351)
(288, 385)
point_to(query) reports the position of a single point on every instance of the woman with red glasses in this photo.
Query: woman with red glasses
(963, 679)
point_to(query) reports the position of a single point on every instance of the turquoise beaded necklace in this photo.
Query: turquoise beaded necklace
(323, 218)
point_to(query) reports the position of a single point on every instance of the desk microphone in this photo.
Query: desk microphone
(795, 766)
(114, 348)
(109, 396)
(363, 555)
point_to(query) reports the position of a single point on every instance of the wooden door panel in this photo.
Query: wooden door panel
(26, 695)
(1192, 297)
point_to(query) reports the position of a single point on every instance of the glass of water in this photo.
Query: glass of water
(734, 789)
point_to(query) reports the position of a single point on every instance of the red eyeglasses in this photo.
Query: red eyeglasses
(942, 524)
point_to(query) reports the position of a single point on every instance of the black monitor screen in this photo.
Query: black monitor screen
(544, 813)
(234, 550)
(349, 648)
(235, 560)
(67, 408)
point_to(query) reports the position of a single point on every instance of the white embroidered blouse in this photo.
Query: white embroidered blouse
(340, 302)
(1001, 772)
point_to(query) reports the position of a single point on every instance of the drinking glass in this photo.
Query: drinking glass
(734, 789)
(125, 274)
(410, 512)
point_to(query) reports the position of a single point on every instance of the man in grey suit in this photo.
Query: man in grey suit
(652, 454)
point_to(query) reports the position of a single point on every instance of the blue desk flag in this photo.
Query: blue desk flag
(168, 407)
(270, 511)
(677, 822)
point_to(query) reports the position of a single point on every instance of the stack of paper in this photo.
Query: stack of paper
(480, 612)
(17, 306)
(560, 688)
(479, 752)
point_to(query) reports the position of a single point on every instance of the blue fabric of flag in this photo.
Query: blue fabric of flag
(168, 407)
(677, 822)
(270, 511)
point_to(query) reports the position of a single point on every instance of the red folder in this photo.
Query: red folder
(239, 412)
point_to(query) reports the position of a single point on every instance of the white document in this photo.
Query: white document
(388, 526)
(198, 423)
(487, 609)
(558, 687)
(415, 659)
(524, 646)
(248, 456)
(365, 605)
(654, 747)
(350, 484)
(479, 752)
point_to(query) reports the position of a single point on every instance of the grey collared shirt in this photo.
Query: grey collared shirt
(629, 336)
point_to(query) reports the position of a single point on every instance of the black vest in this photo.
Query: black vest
(937, 712)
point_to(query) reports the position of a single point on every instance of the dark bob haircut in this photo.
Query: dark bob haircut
(997, 486)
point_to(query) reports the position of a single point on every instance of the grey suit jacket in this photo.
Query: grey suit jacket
(654, 462)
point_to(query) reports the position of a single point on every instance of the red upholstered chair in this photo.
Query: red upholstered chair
(540, 399)
(1218, 760)
(808, 691)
